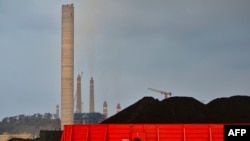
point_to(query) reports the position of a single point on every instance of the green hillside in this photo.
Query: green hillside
(29, 123)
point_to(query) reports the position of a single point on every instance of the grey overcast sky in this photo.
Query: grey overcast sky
(194, 48)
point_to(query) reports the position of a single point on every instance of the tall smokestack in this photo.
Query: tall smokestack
(91, 96)
(67, 65)
(105, 109)
(118, 108)
(78, 95)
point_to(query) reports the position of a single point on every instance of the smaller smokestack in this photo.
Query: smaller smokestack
(57, 112)
(118, 108)
(91, 96)
(105, 109)
(79, 94)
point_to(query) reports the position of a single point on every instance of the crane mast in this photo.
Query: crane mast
(166, 94)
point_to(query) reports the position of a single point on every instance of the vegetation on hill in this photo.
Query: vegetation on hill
(29, 123)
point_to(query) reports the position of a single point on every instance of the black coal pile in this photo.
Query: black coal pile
(185, 110)
(235, 109)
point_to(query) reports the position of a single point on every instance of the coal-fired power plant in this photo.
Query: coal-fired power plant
(72, 113)
(67, 65)
(91, 96)
(78, 95)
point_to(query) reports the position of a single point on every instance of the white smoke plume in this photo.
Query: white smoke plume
(87, 25)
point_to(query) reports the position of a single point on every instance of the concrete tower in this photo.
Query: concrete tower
(91, 96)
(118, 108)
(78, 95)
(57, 112)
(105, 109)
(67, 65)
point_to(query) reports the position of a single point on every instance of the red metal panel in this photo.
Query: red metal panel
(147, 132)
(151, 132)
(171, 132)
(197, 132)
(97, 132)
(80, 133)
(67, 132)
(138, 131)
(119, 132)
(216, 132)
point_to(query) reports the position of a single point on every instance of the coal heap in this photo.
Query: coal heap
(230, 110)
(185, 110)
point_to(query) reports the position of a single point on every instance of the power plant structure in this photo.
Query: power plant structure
(118, 108)
(57, 112)
(67, 65)
(105, 109)
(68, 117)
(90, 117)
(91, 96)
(79, 94)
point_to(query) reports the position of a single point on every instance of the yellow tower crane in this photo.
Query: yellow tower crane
(166, 94)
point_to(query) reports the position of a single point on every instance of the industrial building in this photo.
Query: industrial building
(88, 118)
(67, 65)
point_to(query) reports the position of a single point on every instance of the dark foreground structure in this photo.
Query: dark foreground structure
(50, 135)
(44, 136)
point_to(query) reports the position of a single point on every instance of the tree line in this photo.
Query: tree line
(29, 123)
